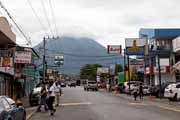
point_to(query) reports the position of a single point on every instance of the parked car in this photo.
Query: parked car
(172, 92)
(91, 85)
(156, 89)
(101, 85)
(146, 90)
(34, 96)
(133, 85)
(63, 84)
(10, 111)
(120, 87)
(72, 84)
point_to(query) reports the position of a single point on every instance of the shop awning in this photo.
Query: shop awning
(7, 37)
(176, 66)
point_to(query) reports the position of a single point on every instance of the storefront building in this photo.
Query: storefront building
(7, 44)
(160, 54)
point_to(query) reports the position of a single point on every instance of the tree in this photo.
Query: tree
(88, 71)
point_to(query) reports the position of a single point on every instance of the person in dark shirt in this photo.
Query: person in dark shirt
(141, 91)
(43, 100)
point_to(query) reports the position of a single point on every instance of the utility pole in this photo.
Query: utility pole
(44, 69)
(129, 79)
(159, 70)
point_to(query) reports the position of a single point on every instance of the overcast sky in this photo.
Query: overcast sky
(106, 21)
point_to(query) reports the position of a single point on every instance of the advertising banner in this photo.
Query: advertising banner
(114, 49)
(135, 46)
(112, 69)
(176, 44)
(101, 70)
(22, 57)
(59, 60)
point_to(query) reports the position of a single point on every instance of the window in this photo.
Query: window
(10, 101)
(6, 104)
(178, 86)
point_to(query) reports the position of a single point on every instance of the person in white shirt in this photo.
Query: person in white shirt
(57, 92)
(52, 89)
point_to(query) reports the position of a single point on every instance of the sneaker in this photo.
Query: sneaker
(38, 110)
(52, 113)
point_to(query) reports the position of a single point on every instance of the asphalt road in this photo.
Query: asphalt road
(79, 105)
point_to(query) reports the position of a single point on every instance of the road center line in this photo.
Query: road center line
(75, 104)
(168, 108)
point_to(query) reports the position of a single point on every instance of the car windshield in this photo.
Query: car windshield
(91, 82)
(10, 101)
(37, 90)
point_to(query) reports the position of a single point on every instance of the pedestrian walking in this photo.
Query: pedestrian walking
(140, 91)
(51, 97)
(43, 100)
(57, 92)
(135, 93)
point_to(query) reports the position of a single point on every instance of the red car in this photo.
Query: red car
(101, 85)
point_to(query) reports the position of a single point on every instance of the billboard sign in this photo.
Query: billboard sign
(101, 70)
(135, 46)
(114, 49)
(112, 69)
(59, 60)
(176, 44)
(22, 57)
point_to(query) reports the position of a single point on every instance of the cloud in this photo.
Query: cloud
(107, 21)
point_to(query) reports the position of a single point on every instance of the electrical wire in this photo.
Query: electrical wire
(17, 26)
(46, 16)
(53, 17)
(36, 15)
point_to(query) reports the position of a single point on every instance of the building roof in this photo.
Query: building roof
(159, 32)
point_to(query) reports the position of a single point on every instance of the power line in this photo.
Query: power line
(53, 17)
(78, 55)
(36, 15)
(17, 26)
(46, 15)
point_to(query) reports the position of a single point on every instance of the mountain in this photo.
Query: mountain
(77, 52)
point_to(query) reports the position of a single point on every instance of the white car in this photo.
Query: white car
(133, 85)
(172, 91)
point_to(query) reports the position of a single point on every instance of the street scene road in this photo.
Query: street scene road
(79, 105)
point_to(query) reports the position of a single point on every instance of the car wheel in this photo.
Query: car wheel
(175, 97)
(170, 99)
(31, 103)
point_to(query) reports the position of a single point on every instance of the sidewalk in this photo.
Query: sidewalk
(29, 110)
(160, 103)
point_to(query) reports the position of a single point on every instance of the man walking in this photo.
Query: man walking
(141, 91)
(57, 92)
(51, 97)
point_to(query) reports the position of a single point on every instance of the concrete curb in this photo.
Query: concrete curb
(30, 113)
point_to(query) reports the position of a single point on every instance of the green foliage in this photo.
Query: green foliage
(88, 71)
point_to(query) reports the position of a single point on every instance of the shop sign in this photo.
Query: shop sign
(176, 44)
(6, 62)
(101, 70)
(164, 69)
(114, 49)
(135, 46)
(9, 70)
(112, 69)
(22, 57)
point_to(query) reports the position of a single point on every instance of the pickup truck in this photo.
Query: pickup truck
(91, 85)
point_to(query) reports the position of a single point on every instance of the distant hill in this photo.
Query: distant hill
(77, 52)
